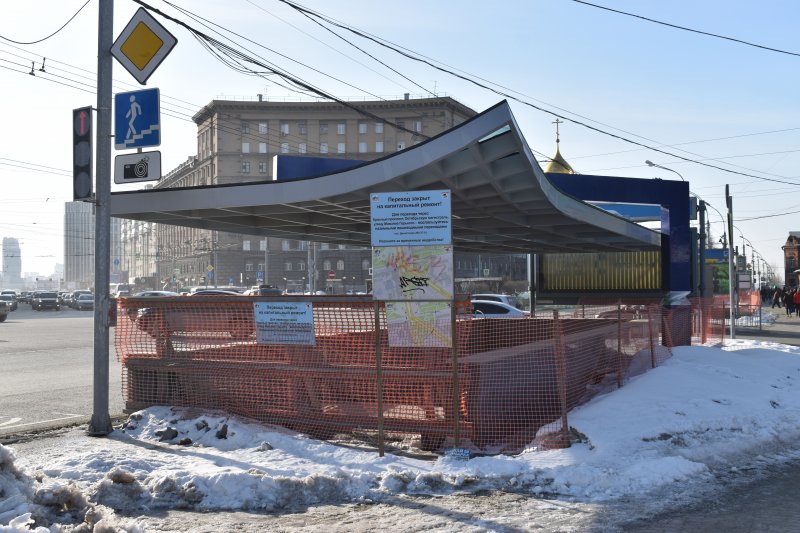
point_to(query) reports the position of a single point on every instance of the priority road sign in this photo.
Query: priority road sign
(143, 45)
(137, 119)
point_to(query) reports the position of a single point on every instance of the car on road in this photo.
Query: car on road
(489, 309)
(11, 299)
(508, 299)
(45, 300)
(85, 302)
(72, 297)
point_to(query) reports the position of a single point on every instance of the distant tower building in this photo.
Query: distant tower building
(78, 245)
(12, 264)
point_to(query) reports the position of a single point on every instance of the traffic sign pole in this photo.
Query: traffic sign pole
(100, 424)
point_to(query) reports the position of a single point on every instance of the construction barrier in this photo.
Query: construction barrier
(494, 386)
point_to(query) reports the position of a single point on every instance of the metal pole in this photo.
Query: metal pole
(734, 304)
(100, 424)
(702, 251)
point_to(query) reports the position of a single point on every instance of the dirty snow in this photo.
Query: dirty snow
(704, 408)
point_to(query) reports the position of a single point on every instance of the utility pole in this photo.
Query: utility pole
(702, 250)
(100, 424)
(731, 295)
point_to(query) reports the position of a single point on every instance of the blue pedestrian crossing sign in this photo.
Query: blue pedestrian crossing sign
(137, 119)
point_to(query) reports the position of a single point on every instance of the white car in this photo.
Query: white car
(508, 299)
(489, 309)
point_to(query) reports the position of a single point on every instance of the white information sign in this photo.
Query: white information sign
(412, 272)
(413, 218)
(284, 323)
(419, 324)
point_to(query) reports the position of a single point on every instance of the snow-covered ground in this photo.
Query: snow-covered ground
(704, 409)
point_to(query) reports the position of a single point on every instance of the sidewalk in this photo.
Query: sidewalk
(785, 330)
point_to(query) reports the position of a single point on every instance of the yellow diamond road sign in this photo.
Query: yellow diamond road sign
(143, 45)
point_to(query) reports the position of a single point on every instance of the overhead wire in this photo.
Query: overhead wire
(529, 104)
(52, 34)
(692, 30)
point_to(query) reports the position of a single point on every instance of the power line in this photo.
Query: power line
(533, 106)
(654, 21)
(52, 34)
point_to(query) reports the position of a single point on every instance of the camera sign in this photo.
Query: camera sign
(142, 166)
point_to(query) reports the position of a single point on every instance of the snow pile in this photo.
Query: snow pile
(705, 409)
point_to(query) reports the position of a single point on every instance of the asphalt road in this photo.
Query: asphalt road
(46, 369)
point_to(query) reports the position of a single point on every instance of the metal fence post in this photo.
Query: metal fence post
(379, 376)
(456, 383)
(560, 342)
(619, 343)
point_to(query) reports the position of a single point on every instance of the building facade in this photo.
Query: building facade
(12, 264)
(79, 232)
(236, 143)
(791, 259)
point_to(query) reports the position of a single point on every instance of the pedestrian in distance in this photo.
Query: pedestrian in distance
(787, 301)
(796, 302)
(776, 298)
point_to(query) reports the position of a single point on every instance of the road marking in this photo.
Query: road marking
(12, 421)
(40, 422)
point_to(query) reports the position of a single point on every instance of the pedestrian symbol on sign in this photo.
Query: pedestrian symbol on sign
(134, 112)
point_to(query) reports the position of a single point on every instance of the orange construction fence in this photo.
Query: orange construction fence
(496, 386)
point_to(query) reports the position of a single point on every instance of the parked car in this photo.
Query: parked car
(85, 302)
(508, 299)
(150, 294)
(488, 309)
(45, 300)
(11, 299)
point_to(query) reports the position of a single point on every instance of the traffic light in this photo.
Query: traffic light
(82, 153)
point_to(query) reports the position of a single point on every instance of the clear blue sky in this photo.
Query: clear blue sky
(707, 99)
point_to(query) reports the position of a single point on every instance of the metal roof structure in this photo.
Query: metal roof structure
(501, 199)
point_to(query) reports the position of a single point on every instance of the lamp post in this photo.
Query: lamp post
(651, 164)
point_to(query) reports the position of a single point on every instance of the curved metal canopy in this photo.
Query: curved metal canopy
(501, 199)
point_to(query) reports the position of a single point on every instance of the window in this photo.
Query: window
(248, 267)
(262, 245)
(245, 167)
(302, 128)
(262, 127)
(301, 148)
(418, 126)
(301, 265)
(341, 128)
(245, 127)
(340, 148)
(262, 167)
(362, 127)
(401, 124)
(340, 264)
(323, 128)
(246, 245)
(324, 246)
(284, 148)
(245, 148)
(365, 264)
(287, 266)
(262, 148)
(260, 267)
(379, 127)
(326, 265)
(284, 129)
(362, 147)
(323, 148)
(401, 146)
(378, 147)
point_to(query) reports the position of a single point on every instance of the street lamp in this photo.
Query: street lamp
(651, 164)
